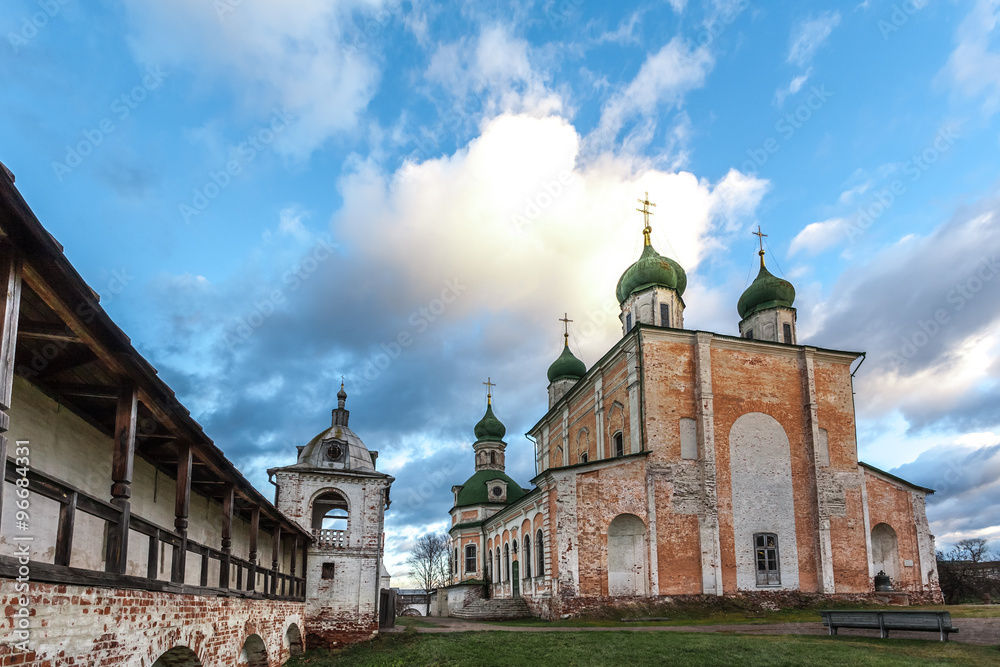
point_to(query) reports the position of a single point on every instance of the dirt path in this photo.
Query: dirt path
(971, 630)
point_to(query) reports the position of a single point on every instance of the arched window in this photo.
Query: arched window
(664, 315)
(506, 562)
(470, 558)
(539, 554)
(497, 572)
(454, 563)
(619, 442)
(493, 458)
(330, 511)
(527, 556)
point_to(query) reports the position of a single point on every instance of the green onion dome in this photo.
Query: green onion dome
(489, 427)
(567, 367)
(766, 291)
(651, 270)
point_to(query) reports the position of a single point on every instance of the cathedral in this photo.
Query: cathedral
(688, 462)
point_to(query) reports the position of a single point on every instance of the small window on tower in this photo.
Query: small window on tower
(628, 322)
(664, 315)
(619, 444)
(327, 571)
(470, 557)
(749, 334)
(493, 458)
(787, 331)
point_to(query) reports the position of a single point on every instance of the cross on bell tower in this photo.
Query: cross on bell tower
(760, 238)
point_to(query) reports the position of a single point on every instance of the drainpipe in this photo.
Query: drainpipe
(853, 404)
(535, 443)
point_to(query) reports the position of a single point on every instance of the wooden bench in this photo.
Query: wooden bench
(884, 621)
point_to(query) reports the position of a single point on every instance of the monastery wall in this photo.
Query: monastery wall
(76, 625)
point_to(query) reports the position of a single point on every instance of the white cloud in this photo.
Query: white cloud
(314, 61)
(809, 35)
(793, 87)
(527, 226)
(663, 80)
(495, 69)
(818, 236)
(973, 69)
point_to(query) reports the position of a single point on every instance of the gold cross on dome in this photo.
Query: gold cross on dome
(645, 217)
(489, 391)
(565, 320)
(760, 239)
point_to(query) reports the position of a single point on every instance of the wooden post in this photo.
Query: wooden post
(203, 579)
(254, 531)
(305, 565)
(181, 506)
(10, 307)
(153, 556)
(225, 564)
(275, 555)
(64, 533)
(292, 584)
(122, 462)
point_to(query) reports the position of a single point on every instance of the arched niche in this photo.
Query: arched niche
(178, 656)
(627, 556)
(254, 653)
(885, 550)
(293, 640)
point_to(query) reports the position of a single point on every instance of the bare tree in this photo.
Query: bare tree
(967, 572)
(430, 560)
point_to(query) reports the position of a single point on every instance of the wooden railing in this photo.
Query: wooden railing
(71, 500)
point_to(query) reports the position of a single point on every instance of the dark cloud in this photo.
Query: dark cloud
(260, 395)
(967, 484)
(912, 309)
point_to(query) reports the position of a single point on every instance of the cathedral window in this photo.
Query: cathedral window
(786, 329)
(766, 552)
(506, 562)
(664, 315)
(497, 572)
(539, 554)
(619, 442)
(628, 322)
(493, 458)
(527, 556)
(454, 563)
(470, 557)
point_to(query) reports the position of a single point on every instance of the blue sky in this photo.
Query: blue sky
(289, 192)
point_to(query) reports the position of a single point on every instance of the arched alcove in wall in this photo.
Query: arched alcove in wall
(178, 656)
(763, 501)
(885, 550)
(254, 653)
(627, 556)
(293, 640)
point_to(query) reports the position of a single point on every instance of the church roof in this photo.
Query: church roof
(475, 491)
(651, 270)
(567, 366)
(489, 427)
(766, 291)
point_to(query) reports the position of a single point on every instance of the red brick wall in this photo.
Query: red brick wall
(888, 503)
(74, 625)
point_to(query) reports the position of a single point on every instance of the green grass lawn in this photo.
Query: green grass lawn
(622, 649)
(413, 622)
(695, 616)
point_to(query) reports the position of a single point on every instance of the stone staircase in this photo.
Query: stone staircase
(501, 609)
